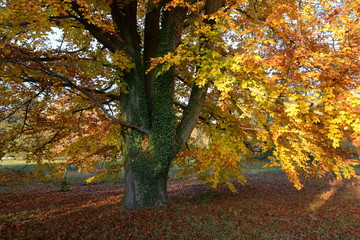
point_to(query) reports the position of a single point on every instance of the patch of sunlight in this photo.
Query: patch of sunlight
(74, 208)
(322, 198)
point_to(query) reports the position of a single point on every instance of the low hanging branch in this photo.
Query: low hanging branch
(93, 98)
(87, 93)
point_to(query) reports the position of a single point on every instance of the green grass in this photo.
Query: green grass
(16, 164)
(73, 176)
(257, 167)
(78, 177)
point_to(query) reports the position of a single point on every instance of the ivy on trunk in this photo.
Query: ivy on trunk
(150, 103)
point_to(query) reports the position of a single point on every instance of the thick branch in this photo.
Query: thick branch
(151, 41)
(198, 94)
(125, 19)
(104, 93)
(105, 38)
(191, 114)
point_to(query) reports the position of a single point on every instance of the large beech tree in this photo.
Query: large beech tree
(86, 80)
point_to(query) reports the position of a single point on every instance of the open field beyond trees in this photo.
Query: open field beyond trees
(267, 207)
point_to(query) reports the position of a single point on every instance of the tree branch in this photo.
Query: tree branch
(125, 19)
(151, 41)
(191, 114)
(26, 103)
(93, 98)
(51, 140)
(198, 94)
(107, 39)
(67, 82)
(32, 79)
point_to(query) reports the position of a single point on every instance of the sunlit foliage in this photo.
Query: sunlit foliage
(280, 76)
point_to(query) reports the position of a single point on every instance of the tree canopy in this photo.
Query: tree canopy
(87, 81)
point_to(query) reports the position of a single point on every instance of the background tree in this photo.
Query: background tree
(136, 77)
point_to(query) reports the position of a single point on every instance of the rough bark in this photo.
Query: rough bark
(146, 177)
(149, 102)
(149, 161)
(140, 194)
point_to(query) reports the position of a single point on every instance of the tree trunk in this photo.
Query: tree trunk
(149, 103)
(146, 172)
(148, 157)
(141, 192)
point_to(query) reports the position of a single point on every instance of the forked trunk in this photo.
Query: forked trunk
(149, 103)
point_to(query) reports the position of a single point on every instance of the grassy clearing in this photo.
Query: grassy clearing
(267, 207)
(78, 177)
(16, 164)
(73, 175)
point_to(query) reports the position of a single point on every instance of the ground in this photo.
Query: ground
(267, 207)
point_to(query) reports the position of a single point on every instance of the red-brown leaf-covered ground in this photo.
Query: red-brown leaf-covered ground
(267, 207)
